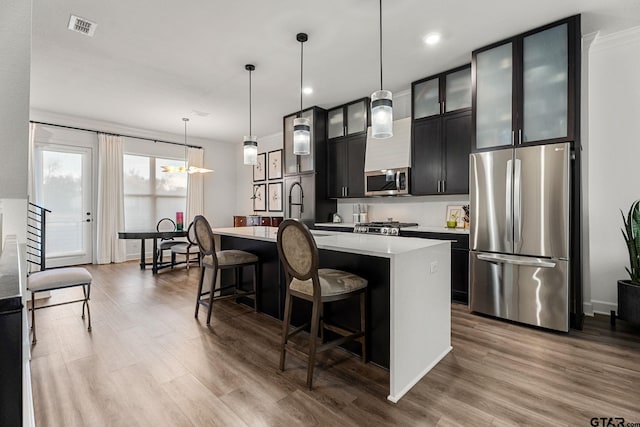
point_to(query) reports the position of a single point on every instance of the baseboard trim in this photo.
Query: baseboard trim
(600, 307)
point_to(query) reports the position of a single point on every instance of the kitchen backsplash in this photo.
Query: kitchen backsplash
(425, 210)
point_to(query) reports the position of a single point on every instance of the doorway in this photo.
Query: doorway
(63, 184)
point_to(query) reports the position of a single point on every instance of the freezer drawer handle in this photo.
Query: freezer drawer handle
(498, 259)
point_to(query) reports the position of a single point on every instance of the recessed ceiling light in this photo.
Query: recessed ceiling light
(307, 90)
(432, 38)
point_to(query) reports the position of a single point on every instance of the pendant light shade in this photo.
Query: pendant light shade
(186, 168)
(250, 148)
(301, 125)
(381, 104)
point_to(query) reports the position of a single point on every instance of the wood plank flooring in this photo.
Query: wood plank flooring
(148, 362)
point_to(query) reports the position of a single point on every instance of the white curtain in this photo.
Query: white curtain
(110, 218)
(195, 185)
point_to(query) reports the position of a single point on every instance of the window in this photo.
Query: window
(149, 193)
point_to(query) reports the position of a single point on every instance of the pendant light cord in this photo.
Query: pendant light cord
(301, 71)
(250, 102)
(186, 158)
(380, 9)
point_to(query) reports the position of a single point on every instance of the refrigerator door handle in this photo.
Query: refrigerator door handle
(508, 208)
(529, 262)
(517, 202)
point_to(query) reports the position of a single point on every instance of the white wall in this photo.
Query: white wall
(15, 67)
(613, 153)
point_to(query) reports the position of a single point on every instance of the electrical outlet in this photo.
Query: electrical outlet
(434, 266)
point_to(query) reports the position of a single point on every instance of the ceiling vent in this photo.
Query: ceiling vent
(81, 25)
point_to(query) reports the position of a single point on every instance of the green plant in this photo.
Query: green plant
(631, 234)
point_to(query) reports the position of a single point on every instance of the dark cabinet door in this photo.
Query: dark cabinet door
(460, 275)
(355, 165)
(336, 167)
(426, 160)
(457, 147)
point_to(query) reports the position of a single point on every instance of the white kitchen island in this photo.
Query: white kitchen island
(419, 295)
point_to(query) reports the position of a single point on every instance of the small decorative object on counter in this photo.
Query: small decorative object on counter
(179, 221)
(465, 208)
(454, 217)
(452, 222)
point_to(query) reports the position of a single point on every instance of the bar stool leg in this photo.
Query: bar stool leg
(87, 296)
(199, 291)
(313, 337)
(363, 324)
(285, 329)
(213, 286)
(33, 317)
(255, 287)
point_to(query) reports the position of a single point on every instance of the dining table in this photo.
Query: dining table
(154, 235)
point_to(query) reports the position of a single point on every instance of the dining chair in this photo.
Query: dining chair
(188, 249)
(165, 224)
(305, 280)
(213, 261)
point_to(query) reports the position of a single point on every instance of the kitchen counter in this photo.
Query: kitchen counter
(419, 229)
(409, 293)
(356, 243)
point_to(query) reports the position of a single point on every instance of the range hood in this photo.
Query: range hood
(390, 153)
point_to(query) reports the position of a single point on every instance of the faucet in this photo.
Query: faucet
(301, 198)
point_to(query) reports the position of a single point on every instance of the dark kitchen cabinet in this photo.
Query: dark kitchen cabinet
(443, 93)
(441, 133)
(294, 164)
(525, 88)
(347, 138)
(348, 119)
(345, 166)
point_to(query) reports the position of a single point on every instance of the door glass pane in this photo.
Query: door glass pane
(62, 193)
(458, 90)
(357, 117)
(493, 96)
(336, 123)
(426, 98)
(545, 84)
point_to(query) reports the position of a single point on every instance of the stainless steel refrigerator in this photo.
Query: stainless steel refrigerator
(519, 234)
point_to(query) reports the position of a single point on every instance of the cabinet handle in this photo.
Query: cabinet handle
(519, 136)
(444, 107)
(444, 185)
(438, 190)
(513, 138)
(346, 191)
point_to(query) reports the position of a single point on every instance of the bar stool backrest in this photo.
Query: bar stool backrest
(298, 251)
(204, 237)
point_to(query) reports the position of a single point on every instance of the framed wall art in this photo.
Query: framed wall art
(455, 213)
(274, 164)
(275, 197)
(259, 197)
(259, 169)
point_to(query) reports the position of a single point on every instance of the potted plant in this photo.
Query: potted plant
(629, 290)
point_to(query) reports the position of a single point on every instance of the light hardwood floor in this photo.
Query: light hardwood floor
(148, 362)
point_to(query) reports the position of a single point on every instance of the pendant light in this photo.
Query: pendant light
(381, 104)
(186, 168)
(250, 149)
(301, 125)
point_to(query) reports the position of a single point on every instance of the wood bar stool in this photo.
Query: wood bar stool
(299, 255)
(212, 262)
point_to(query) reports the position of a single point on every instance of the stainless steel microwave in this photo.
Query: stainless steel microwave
(389, 182)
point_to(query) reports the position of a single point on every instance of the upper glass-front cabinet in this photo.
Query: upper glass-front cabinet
(457, 90)
(526, 89)
(348, 119)
(426, 98)
(545, 81)
(444, 93)
(494, 91)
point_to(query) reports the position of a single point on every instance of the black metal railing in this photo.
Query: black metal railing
(36, 235)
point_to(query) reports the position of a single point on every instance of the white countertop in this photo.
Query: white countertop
(424, 229)
(364, 244)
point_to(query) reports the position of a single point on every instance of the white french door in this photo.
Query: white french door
(63, 184)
